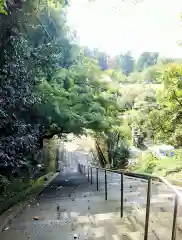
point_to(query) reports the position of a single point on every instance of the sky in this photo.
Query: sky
(116, 26)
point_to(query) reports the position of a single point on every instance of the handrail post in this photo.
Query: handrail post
(84, 169)
(105, 184)
(121, 213)
(91, 175)
(97, 177)
(88, 173)
(173, 237)
(147, 208)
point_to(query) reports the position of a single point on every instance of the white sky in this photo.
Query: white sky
(115, 26)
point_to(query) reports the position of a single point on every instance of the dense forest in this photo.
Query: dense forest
(48, 86)
(51, 86)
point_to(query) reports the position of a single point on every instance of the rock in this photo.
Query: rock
(36, 218)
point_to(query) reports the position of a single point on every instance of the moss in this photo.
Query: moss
(10, 198)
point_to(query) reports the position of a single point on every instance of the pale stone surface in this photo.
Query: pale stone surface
(71, 206)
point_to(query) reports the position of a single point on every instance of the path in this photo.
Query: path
(72, 208)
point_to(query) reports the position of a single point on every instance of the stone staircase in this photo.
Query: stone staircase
(72, 208)
(106, 214)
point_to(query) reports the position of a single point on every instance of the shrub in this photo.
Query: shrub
(121, 155)
(146, 163)
(164, 166)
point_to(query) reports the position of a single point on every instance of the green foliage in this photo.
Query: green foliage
(135, 77)
(114, 145)
(2, 7)
(126, 63)
(116, 76)
(18, 190)
(152, 74)
(146, 163)
(50, 154)
(100, 57)
(166, 121)
(167, 166)
(146, 59)
(48, 87)
(76, 100)
(3, 183)
(121, 155)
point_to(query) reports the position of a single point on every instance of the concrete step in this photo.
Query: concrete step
(157, 219)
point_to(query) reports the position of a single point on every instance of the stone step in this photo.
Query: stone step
(96, 204)
(134, 227)
(158, 219)
(139, 235)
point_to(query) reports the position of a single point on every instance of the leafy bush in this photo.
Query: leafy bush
(166, 166)
(3, 183)
(146, 163)
(18, 190)
(121, 156)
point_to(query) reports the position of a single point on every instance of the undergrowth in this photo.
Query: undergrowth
(166, 167)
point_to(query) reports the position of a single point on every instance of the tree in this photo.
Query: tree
(102, 58)
(112, 146)
(166, 121)
(126, 63)
(146, 59)
(76, 100)
(47, 87)
(152, 74)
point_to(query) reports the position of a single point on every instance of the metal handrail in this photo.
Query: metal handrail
(149, 178)
(145, 176)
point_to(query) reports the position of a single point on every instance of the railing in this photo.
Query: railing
(149, 178)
